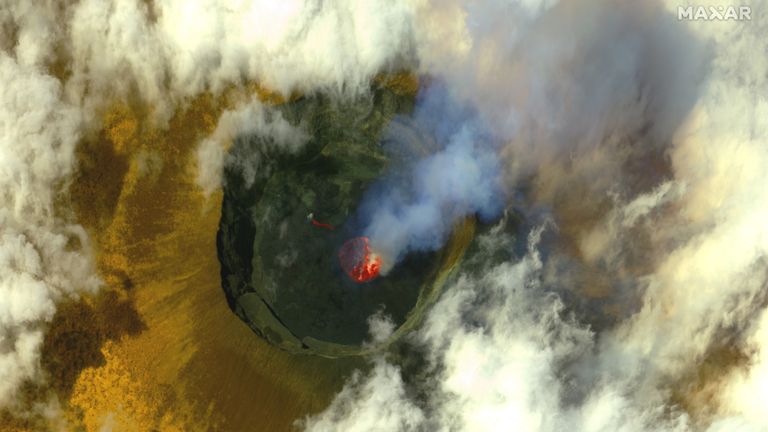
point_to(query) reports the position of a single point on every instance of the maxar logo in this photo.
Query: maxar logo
(714, 13)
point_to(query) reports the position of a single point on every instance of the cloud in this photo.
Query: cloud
(499, 351)
(265, 127)
(172, 50)
(61, 65)
(43, 258)
(376, 403)
(640, 137)
(293, 45)
(380, 327)
(643, 139)
(746, 392)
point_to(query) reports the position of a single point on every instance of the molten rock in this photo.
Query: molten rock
(358, 260)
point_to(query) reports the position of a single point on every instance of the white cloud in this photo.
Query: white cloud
(176, 49)
(38, 265)
(579, 91)
(251, 120)
(292, 45)
(499, 350)
(746, 394)
(376, 403)
(160, 53)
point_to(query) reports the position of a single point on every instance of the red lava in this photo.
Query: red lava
(322, 225)
(358, 260)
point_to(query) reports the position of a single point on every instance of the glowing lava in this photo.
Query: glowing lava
(358, 260)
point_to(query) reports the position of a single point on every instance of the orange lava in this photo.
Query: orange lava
(358, 260)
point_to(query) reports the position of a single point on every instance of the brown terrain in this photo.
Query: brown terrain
(158, 348)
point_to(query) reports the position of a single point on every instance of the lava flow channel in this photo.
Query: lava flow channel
(358, 260)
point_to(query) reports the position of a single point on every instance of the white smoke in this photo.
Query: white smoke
(584, 89)
(554, 91)
(417, 209)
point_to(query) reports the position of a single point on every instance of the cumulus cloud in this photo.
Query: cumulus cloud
(287, 46)
(62, 63)
(377, 402)
(171, 50)
(43, 258)
(746, 392)
(500, 351)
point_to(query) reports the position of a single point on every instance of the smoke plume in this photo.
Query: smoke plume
(416, 206)
(640, 138)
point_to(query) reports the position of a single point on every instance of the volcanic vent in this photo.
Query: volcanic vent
(358, 260)
(309, 283)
